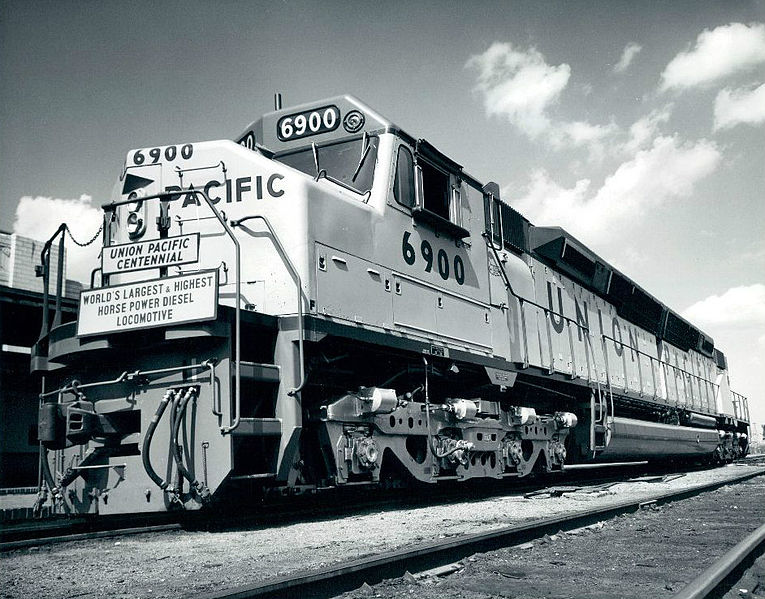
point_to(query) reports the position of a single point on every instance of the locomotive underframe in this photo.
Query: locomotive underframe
(328, 436)
(492, 444)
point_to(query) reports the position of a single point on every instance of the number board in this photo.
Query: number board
(308, 122)
(170, 153)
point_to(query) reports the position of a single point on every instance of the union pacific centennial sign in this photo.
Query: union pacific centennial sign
(171, 251)
(159, 302)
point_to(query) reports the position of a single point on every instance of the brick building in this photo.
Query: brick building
(20, 322)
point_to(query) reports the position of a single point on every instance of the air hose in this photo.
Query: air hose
(459, 445)
(54, 489)
(199, 487)
(158, 480)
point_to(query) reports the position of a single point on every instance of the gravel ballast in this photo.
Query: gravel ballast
(185, 563)
(651, 553)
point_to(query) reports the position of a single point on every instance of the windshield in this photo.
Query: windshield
(350, 163)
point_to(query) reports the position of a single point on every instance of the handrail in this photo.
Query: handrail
(586, 331)
(548, 311)
(610, 386)
(294, 272)
(571, 350)
(658, 360)
(737, 399)
(549, 343)
(525, 338)
(528, 301)
(126, 376)
(215, 407)
(45, 273)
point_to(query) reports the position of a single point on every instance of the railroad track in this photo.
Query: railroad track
(721, 576)
(27, 533)
(336, 579)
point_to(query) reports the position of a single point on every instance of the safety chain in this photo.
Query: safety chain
(87, 243)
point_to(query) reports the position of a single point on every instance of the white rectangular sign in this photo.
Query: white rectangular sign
(171, 251)
(155, 303)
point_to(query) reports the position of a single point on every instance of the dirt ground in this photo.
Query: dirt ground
(653, 553)
(185, 563)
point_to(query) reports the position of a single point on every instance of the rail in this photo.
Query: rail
(710, 581)
(348, 575)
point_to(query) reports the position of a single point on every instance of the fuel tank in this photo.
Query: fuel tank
(632, 439)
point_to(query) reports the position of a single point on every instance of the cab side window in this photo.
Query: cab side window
(429, 184)
(436, 192)
(403, 186)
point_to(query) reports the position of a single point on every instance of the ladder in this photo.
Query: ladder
(601, 420)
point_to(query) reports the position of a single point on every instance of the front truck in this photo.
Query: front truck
(167, 388)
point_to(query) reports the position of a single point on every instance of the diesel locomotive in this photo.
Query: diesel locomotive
(327, 300)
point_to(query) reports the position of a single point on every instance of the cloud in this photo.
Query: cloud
(39, 217)
(579, 133)
(736, 321)
(738, 306)
(645, 129)
(666, 171)
(596, 138)
(754, 255)
(546, 201)
(718, 53)
(733, 107)
(630, 51)
(520, 86)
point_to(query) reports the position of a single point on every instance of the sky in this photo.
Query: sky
(637, 126)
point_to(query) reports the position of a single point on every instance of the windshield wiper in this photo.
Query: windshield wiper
(365, 146)
(315, 158)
